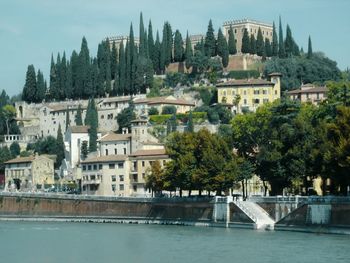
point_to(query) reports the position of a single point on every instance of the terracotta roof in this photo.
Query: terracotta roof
(116, 99)
(155, 152)
(21, 160)
(79, 129)
(311, 90)
(105, 159)
(64, 107)
(245, 82)
(111, 137)
(163, 100)
(275, 74)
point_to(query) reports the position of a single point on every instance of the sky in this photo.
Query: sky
(32, 30)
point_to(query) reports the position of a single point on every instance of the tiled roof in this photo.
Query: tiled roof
(116, 99)
(111, 137)
(79, 129)
(105, 159)
(245, 82)
(155, 152)
(310, 90)
(21, 160)
(64, 107)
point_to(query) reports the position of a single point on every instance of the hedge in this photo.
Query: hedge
(182, 117)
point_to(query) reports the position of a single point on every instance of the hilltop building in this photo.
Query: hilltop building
(309, 93)
(248, 95)
(252, 26)
(117, 40)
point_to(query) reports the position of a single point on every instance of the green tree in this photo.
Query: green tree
(190, 126)
(252, 45)
(289, 44)
(153, 111)
(84, 150)
(125, 117)
(268, 48)
(151, 48)
(40, 88)
(178, 47)
(222, 49)
(210, 42)
(155, 178)
(260, 45)
(15, 149)
(274, 41)
(169, 110)
(245, 42)
(231, 42)
(67, 119)
(8, 113)
(281, 50)
(30, 86)
(59, 146)
(309, 48)
(4, 99)
(188, 52)
(78, 117)
(5, 155)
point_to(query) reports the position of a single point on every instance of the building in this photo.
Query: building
(117, 40)
(309, 93)
(143, 105)
(248, 95)
(29, 173)
(252, 26)
(195, 39)
(105, 175)
(140, 165)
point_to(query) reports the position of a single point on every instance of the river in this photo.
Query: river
(51, 242)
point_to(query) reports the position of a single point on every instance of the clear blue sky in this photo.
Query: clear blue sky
(30, 30)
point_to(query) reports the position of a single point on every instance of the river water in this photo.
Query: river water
(36, 242)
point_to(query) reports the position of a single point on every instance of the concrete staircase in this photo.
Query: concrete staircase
(260, 217)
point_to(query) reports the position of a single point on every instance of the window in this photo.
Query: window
(265, 100)
(245, 101)
(245, 92)
(114, 178)
(135, 188)
(113, 187)
(102, 117)
(121, 178)
(235, 31)
(264, 92)
(275, 92)
(256, 101)
(106, 151)
(111, 166)
(256, 92)
(164, 162)
(143, 163)
(84, 167)
(115, 151)
(143, 175)
(100, 166)
(124, 150)
(89, 167)
(95, 166)
(121, 187)
(120, 165)
(92, 177)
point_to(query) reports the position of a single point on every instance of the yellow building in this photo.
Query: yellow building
(248, 95)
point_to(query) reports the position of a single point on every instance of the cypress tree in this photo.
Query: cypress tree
(142, 50)
(231, 42)
(78, 117)
(222, 48)
(260, 45)
(83, 76)
(252, 45)
(289, 42)
(128, 89)
(268, 48)
(188, 52)
(93, 123)
(151, 51)
(178, 47)
(54, 85)
(114, 60)
(190, 127)
(122, 69)
(157, 54)
(67, 119)
(40, 88)
(274, 41)
(309, 48)
(84, 150)
(69, 82)
(210, 42)
(74, 61)
(245, 42)
(167, 46)
(30, 86)
(62, 73)
(281, 50)
(60, 146)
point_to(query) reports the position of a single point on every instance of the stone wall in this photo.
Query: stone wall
(24, 206)
(238, 216)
